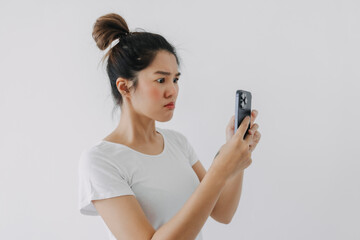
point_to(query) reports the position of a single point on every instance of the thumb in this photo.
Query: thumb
(243, 127)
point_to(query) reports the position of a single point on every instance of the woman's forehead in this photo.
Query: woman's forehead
(164, 59)
(164, 64)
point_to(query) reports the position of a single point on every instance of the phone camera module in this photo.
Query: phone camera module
(243, 100)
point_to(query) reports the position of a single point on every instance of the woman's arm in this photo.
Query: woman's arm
(126, 219)
(228, 201)
(187, 223)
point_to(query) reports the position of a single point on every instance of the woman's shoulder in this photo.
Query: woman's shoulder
(91, 154)
(100, 153)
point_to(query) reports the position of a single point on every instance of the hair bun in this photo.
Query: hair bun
(108, 28)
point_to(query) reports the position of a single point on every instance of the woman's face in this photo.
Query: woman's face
(157, 86)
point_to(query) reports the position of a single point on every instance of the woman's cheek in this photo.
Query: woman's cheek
(155, 94)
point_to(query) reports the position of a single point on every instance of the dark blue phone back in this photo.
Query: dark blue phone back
(242, 108)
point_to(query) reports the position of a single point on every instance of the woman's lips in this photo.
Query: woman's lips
(170, 106)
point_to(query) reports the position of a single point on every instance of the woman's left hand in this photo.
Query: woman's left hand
(252, 131)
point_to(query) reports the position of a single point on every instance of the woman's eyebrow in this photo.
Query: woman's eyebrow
(166, 73)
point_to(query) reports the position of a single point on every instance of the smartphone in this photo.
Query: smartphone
(242, 108)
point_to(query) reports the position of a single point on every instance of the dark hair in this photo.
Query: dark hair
(134, 51)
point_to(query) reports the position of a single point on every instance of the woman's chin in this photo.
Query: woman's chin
(165, 118)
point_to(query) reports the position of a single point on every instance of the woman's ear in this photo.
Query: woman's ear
(122, 86)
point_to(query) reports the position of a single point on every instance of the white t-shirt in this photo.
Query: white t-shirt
(161, 183)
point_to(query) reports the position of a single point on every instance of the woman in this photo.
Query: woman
(147, 182)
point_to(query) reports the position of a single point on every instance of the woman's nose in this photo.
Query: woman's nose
(172, 89)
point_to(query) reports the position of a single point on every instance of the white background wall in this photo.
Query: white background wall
(300, 60)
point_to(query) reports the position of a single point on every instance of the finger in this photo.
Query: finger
(243, 127)
(253, 129)
(249, 138)
(252, 147)
(254, 114)
(255, 141)
(231, 124)
(257, 137)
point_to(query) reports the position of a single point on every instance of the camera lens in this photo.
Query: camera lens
(243, 99)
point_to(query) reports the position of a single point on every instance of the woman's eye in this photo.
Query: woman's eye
(163, 79)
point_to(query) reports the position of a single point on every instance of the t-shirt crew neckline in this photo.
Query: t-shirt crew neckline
(140, 153)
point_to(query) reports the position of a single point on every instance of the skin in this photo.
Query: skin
(228, 201)
(143, 107)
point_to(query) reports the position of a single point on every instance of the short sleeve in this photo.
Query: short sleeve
(99, 179)
(193, 158)
(188, 149)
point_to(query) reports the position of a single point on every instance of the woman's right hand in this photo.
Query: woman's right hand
(235, 154)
